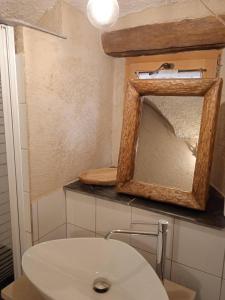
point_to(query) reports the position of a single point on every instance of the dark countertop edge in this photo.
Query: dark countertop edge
(214, 219)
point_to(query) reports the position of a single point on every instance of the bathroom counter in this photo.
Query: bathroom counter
(212, 217)
(22, 289)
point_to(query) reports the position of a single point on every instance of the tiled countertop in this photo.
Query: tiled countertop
(212, 217)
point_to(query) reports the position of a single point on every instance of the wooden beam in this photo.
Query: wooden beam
(190, 34)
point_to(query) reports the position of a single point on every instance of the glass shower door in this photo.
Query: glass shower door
(11, 185)
(6, 254)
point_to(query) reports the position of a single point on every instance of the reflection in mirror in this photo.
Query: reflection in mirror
(168, 139)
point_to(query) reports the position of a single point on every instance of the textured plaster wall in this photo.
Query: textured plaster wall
(33, 10)
(69, 103)
(178, 11)
(169, 13)
(52, 19)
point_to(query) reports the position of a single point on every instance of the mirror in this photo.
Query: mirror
(167, 140)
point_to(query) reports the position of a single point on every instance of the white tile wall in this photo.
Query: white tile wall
(51, 212)
(58, 233)
(196, 253)
(149, 244)
(151, 258)
(111, 215)
(76, 232)
(199, 247)
(81, 210)
(206, 285)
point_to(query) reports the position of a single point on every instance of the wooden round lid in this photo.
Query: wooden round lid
(104, 176)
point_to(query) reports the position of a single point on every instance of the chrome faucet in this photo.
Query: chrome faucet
(161, 235)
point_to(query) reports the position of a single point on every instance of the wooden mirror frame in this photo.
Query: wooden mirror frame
(210, 89)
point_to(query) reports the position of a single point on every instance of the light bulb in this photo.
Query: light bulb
(102, 13)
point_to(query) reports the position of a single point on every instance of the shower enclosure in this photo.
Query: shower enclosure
(6, 254)
(11, 198)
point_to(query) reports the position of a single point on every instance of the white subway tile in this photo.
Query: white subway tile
(81, 210)
(77, 232)
(199, 247)
(151, 259)
(150, 243)
(58, 233)
(51, 212)
(207, 286)
(111, 215)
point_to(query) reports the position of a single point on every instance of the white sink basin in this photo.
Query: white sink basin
(66, 270)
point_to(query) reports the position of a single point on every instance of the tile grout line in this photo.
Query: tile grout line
(85, 229)
(51, 231)
(195, 269)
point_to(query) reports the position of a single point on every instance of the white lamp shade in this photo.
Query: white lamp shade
(102, 13)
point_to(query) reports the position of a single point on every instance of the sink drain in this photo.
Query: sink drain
(101, 285)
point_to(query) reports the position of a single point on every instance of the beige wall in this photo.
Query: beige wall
(69, 102)
(173, 12)
(74, 112)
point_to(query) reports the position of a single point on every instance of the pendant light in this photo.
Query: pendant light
(102, 13)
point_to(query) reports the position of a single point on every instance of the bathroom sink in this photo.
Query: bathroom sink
(91, 268)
